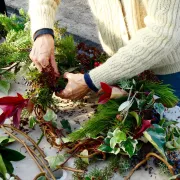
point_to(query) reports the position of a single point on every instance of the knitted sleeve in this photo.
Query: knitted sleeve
(42, 14)
(149, 47)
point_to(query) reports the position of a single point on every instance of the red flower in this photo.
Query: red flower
(12, 107)
(145, 125)
(110, 92)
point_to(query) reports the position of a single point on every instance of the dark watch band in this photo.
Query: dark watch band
(89, 82)
(43, 31)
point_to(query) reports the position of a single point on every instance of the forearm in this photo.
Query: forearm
(42, 14)
(148, 48)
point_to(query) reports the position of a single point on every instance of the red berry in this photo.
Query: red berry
(96, 64)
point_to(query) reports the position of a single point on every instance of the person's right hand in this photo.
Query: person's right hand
(42, 53)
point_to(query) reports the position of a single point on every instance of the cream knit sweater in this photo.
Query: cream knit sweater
(137, 34)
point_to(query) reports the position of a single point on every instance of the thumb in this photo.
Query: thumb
(67, 75)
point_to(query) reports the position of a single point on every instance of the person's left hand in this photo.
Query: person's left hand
(76, 87)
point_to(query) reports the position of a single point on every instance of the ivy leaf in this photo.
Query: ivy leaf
(41, 178)
(55, 161)
(105, 148)
(3, 169)
(119, 135)
(157, 137)
(141, 103)
(115, 151)
(159, 109)
(85, 153)
(137, 117)
(66, 125)
(129, 146)
(113, 142)
(50, 115)
(32, 121)
(11, 155)
(4, 87)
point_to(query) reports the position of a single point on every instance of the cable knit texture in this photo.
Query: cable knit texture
(138, 34)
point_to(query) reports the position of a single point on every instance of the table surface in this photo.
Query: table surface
(27, 169)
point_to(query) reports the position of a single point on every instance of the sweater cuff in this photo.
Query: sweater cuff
(89, 83)
(43, 31)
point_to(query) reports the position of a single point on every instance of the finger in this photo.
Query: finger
(38, 66)
(67, 75)
(54, 64)
(44, 61)
(66, 93)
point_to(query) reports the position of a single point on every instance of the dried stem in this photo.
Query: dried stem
(27, 137)
(70, 169)
(39, 175)
(89, 156)
(145, 160)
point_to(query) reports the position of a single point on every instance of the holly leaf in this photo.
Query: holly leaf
(129, 146)
(66, 125)
(137, 117)
(55, 161)
(159, 109)
(157, 137)
(50, 115)
(3, 169)
(4, 87)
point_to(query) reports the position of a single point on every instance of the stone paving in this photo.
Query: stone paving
(73, 14)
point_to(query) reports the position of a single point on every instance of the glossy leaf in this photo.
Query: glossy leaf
(157, 137)
(66, 125)
(4, 87)
(3, 169)
(105, 148)
(129, 146)
(6, 140)
(9, 166)
(11, 155)
(119, 136)
(55, 161)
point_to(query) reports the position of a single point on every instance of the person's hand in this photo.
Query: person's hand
(42, 53)
(76, 87)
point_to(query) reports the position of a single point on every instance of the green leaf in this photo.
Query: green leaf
(9, 166)
(66, 125)
(6, 140)
(113, 142)
(137, 117)
(157, 137)
(4, 87)
(115, 151)
(3, 169)
(141, 103)
(159, 109)
(55, 161)
(50, 115)
(11, 155)
(41, 178)
(129, 146)
(87, 178)
(32, 121)
(85, 153)
(105, 148)
(119, 135)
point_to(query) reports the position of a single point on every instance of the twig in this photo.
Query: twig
(70, 169)
(39, 175)
(145, 160)
(89, 156)
(27, 137)
(9, 68)
(40, 139)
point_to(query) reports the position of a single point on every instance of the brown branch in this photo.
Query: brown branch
(39, 175)
(89, 156)
(145, 160)
(70, 169)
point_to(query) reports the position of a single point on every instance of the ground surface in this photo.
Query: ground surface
(73, 14)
